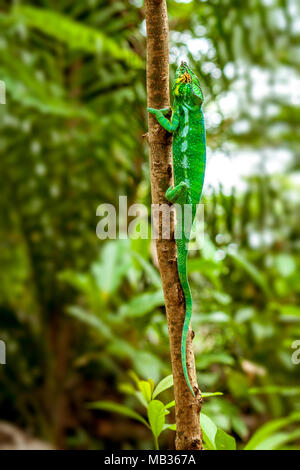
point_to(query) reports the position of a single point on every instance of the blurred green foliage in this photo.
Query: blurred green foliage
(146, 393)
(273, 435)
(77, 313)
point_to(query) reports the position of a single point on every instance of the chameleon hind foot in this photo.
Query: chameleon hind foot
(178, 194)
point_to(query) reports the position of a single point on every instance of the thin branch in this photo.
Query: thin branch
(188, 434)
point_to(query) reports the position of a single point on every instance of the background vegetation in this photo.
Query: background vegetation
(77, 314)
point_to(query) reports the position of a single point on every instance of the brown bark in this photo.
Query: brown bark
(188, 435)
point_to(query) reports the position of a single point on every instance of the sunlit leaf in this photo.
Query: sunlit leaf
(156, 415)
(163, 385)
(170, 404)
(209, 430)
(269, 429)
(224, 441)
(145, 389)
(210, 394)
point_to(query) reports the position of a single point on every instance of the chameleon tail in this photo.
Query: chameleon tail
(182, 271)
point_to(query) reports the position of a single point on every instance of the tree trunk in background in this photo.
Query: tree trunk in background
(188, 435)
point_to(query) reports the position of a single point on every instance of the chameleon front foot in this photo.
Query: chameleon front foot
(162, 111)
(178, 194)
(163, 121)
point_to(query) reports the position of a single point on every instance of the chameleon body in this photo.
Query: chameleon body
(189, 158)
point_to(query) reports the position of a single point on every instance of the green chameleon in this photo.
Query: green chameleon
(189, 157)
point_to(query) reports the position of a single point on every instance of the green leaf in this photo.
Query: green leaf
(210, 394)
(275, 389)
(152, 385)
(270, 428)
(251, 270)
(142, 304)
(80, 281)
(116, 408)
(209, 431)
(127, 388)
(134, 377)
(149, 270)
(170, 404)
(277, 440)
(172, 427)
(163, 385)
(215, 438)
(75, 35)
(156, 415)
(110, 270)
(90, 319)
(147, 364)
(141, 399)
(145, 389)
(27, 91)
(205, 360)
(224, 441)
(121, 349)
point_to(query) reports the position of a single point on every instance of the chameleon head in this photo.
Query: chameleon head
(186, 84)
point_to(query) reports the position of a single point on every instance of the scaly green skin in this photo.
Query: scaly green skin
(189, 157)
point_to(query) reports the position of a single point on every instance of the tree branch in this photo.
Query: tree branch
(188, 434)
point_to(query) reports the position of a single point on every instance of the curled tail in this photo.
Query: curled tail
(182, 271)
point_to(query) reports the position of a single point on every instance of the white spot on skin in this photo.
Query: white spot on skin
(185, 162)
(184, 145)
(185, 131)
